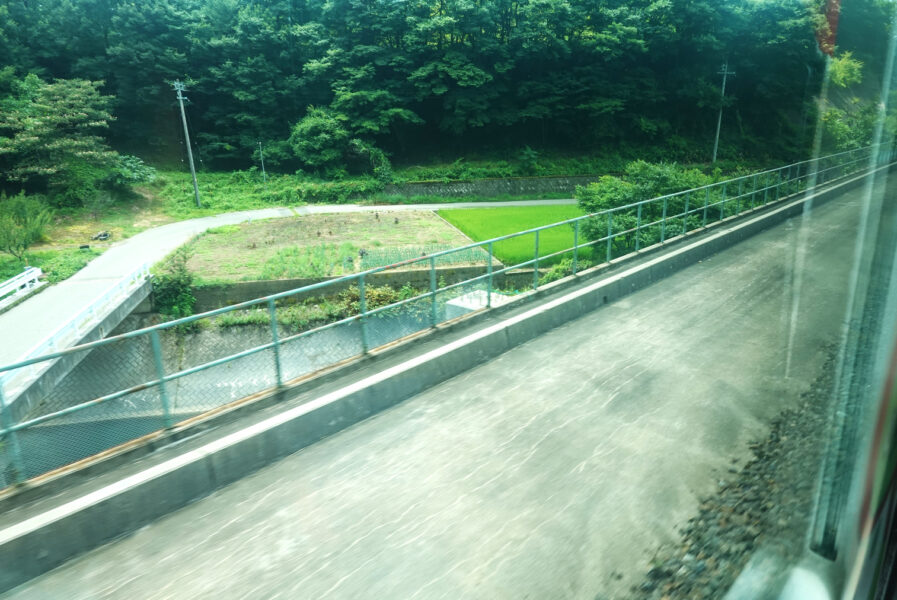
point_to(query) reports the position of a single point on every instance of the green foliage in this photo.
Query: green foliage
(65, 264)
(321, 140)
(529, 161)
(172, 286)
(22, 222)
(851, 127)
(640, 181)
(415, 78)
(50, 137)
(326, 260)
(129, 170)
(244, 190)
(314, 312)
(57, 265)
(845, 71)
(562, 269)
(380, 166)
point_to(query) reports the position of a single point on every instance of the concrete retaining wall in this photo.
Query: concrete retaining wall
(514, 186)
(210, 297)
(37, 544)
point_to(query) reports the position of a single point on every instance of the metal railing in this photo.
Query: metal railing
(70, 332)
(26, 280)
(145, 381)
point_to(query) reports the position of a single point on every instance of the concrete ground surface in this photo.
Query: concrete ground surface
(27, 325)
(553, 471)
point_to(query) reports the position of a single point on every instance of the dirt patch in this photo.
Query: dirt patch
(122, 219)
(315, 245)
(767, 503)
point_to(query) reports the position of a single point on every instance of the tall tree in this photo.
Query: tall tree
(50, 135)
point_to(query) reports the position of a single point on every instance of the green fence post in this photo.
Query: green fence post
(575, 245)
(706, 203)
(722, 205)
(536, 263)
(778, 183)
(685, 214)
(610, 231)
(362, 318)
(18, 466)
(663, 222)
(160, 373)
(272, 314)
(488, 279)
(753, 191)
(766, 189)
(434, 316)
(738, 198)
(638, 226)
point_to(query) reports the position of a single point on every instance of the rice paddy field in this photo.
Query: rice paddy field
(486, 223)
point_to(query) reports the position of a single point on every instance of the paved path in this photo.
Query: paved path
(30, 323)
(553, 471)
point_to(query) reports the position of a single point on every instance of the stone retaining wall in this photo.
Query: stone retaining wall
(561, 186)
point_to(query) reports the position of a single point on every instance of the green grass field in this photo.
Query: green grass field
(486, 223)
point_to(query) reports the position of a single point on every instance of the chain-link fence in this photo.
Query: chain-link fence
(123, 387)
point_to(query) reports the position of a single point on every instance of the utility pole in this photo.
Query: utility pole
(179, 88)
(262, 157)
(725, 72)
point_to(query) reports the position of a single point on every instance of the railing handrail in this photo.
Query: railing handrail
(99, 300)
(14, 283)
(362, 274)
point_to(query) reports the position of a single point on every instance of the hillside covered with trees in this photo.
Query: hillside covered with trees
(341, 86)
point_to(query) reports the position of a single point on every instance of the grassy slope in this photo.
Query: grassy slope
(486, 223)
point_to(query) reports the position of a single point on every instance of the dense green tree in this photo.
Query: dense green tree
(447, 76)
(51, 136)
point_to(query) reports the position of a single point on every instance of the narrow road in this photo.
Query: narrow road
(33, 321)
(554, 471)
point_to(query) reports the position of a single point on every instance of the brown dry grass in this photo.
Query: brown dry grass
(241, 252)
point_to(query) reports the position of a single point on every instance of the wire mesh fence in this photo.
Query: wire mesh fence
(129, 385)
(381, 257)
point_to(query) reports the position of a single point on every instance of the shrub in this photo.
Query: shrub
(22, 222)
(127, 171)
(172, 288)
(64, 265)
(563, 269)
(320, 140)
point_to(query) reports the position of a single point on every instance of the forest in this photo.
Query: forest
(338, 87)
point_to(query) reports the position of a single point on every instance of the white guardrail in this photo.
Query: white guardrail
(12, 288)
(71, 332)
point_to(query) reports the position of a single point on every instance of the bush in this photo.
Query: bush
(172, 288)
(22, 222)
(320, 140)
(129, 170)
(64, 265)
(380, 166)
(640, 181)
(563, 269)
